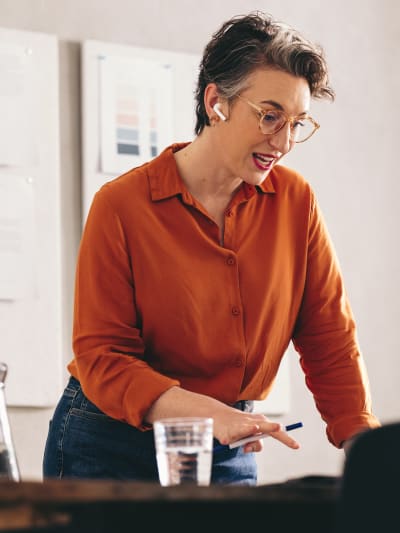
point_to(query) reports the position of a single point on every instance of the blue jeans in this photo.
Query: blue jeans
(83, 442)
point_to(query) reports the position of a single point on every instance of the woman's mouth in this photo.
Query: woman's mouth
(262, 161)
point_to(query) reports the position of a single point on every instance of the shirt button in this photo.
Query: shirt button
(231, 261)
(238, 362)
(235, 311)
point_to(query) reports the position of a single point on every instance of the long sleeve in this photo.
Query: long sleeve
(325, 337)
(107, 341)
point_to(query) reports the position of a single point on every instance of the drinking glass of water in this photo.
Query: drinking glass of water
(184, 450)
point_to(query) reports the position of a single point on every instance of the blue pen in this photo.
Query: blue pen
(252, 438)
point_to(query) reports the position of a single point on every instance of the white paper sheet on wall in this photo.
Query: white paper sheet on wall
(164, 80)
(17, 109)
(135, 111)
(30, 220)
(17, 237)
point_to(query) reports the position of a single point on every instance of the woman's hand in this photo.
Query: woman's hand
(237, 425)
(230, 424)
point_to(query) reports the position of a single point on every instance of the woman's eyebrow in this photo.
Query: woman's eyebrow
(277, 105)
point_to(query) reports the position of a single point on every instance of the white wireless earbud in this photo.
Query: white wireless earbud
(219, 112)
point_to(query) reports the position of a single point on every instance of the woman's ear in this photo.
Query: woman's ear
(212, 103)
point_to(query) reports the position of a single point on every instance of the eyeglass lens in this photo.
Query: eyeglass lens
(273, 121)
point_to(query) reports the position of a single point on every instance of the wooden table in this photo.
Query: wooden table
(89, 506)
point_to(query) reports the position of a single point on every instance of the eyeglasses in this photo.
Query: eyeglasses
(273, 120)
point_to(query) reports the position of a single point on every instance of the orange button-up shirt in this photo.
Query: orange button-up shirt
(160, 302)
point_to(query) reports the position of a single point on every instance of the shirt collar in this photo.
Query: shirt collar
(163, 174)
(267, 185)
(166, 182)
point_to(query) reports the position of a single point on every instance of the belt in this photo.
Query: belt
(244, 405)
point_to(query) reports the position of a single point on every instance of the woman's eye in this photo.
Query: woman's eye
(271, 117)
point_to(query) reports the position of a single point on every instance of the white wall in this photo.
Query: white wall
(351, 163)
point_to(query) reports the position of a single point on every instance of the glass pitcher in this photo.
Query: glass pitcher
(8, 460)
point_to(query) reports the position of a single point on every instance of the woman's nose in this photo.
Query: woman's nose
(281, 140)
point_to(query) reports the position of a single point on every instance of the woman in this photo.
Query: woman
(197, 269)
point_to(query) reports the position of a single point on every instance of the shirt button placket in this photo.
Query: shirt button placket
(229, 227)
(238, 362)
(235, 310)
